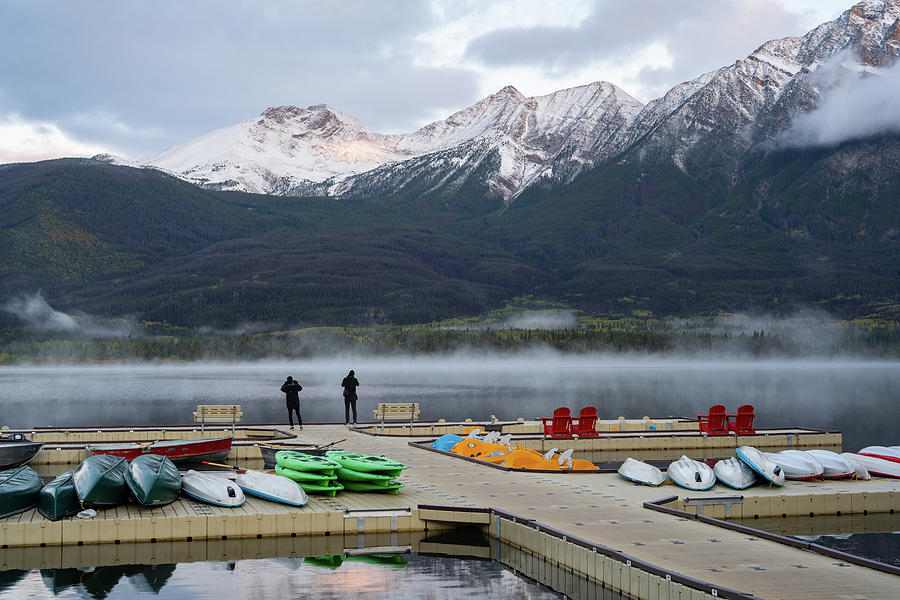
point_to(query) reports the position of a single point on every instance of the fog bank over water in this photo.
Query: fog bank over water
(857, 397)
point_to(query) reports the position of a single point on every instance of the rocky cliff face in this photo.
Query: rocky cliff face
(507, 142)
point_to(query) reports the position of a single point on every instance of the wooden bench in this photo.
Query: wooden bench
(406, 411)
(218, 413)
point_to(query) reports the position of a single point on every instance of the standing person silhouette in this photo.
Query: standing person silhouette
(291, 389)
(350, 383)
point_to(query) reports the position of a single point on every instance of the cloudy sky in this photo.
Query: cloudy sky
(80, 77)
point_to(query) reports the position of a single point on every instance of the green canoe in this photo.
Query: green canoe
(153, 479)
(300, 461)
(100, 481)
(362, 486)
(58, 499)
(369, 464)
(19, 490)
(351, 475)
(304, 476)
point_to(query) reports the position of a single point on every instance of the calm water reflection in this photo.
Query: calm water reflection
(859, 398)
(271, 569)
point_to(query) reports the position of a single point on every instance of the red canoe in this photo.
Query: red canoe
(212, 449)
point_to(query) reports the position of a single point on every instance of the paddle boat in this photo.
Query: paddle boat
(796, 464)
(19, 489)
(100, 481)
(154, 480)
(691, 474)
(734, 473)
(638, 471)
(757, 461)
(835, 466)
(211, 489)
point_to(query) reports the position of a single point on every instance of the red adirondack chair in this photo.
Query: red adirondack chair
(560, 424)
(714, 423)
(586, 424)
(743, 421)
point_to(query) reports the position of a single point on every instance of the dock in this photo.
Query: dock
(595, 525)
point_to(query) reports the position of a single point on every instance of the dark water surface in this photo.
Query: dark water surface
(859, 398)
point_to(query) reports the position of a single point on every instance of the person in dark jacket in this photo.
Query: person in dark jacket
(291, 389)
(350, 383)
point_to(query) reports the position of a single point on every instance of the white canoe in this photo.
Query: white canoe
(212, 489)
(272, 487)
(691, 474)
(796, 464)
(757, 461)
(861, 471)
(877, 466)
(641, 472)
(835, 465)
(885, 452)
(734, 473)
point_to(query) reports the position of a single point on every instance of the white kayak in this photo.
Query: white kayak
(796, 464)
(885, 452)
(272, 487)
(212, 489)
(757, 461)
(876, 466)
(861, 471)
(835, 465)
(641, 472)
(691, 474)
(734, 473)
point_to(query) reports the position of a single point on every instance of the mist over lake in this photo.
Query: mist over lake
(857, 397)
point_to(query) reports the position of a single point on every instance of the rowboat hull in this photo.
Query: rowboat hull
(15, 453)
(211, 489)
(58, 499)
(100, 481)
(834, 465)
(272, 487)
(757, 461)
(691, 474)
(637, 471)
(154, 480)
(19, 490)
(891, 453)
(734, 473)
(178, 451)
(876, 466)
(796, 464)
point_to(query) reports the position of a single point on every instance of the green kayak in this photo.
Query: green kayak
(153, 479)
(390, 560)
(19, 490)
(304, 476)
(300, 461)
(369, 464)
(351, 475)
(100, 481)
(362, 486)
(329, 561)
(58, 498)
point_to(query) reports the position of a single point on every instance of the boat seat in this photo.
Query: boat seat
(218, 413)
(405, 411)
(715, 422)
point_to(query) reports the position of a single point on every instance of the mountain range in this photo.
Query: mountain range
(548, 140)
(768, 184)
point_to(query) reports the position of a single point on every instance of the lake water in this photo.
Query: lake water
(858, 398)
